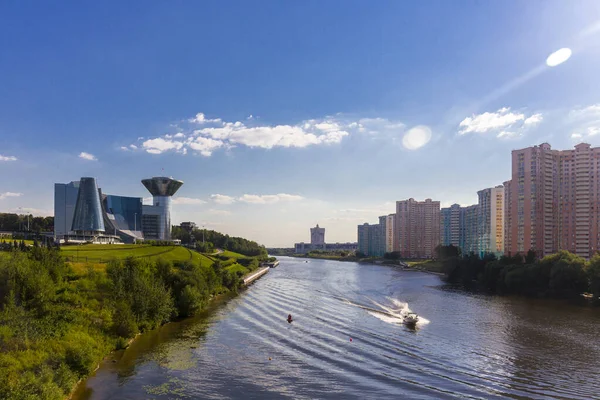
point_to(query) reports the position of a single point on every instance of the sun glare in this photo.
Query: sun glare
(558, 57)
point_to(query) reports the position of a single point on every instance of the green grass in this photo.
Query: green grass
(428, 265)
(234, 268)
(8, 240)
(232, 254)
(101, 253)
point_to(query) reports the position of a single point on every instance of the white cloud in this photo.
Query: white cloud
(7, 158)
(222, 199)
(593, 110)
(268, 198)
(490, 121)
(507, 134)
(267, 137)
(200, 118)
(133, 147)
(124, 148)
(218, 134)
(204, 146)
(534, 119)
(585, 133)
(87, 156)
(219, 212)
(159, 145)
(6, 195)
(187, 201)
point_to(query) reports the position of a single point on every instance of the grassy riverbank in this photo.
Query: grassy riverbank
(59, 319)
(421, 265)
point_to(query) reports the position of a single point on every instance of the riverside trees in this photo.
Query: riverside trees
(560, 275)
(57, 321)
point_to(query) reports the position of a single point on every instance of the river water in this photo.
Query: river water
(339, 346)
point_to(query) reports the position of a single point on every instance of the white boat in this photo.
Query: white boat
(410, 319)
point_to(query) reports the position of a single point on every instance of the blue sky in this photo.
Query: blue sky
(281, 115)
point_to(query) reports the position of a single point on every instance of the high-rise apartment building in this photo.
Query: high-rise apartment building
(389, 232)
(461, 227)
(552, 201)
(417, 228)
(450, 223)
(370, 240)
(469, 229)
(490, 236)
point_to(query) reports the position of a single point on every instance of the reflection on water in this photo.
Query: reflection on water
(347, 340)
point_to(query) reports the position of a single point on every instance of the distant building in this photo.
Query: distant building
(80, 220)
(65, 197)
(451, 224)
(317, 242)
(87, 218)
(551, 201)
(156, 219)
(123, 217)
(317, 235)
(417, 228)
(371, 239)
(469, 239)
(491, 221)
(389, 232)
(83, 214)
(478, 228)
(188, 226)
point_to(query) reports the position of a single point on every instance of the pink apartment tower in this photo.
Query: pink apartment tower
(552, 201)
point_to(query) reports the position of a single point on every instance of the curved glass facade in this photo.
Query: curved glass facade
(88, 210)
(127, 212)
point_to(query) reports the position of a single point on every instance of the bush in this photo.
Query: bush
(80, 354)
(190, 301)
(124, 323)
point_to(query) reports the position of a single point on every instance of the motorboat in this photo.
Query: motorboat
(410, 319)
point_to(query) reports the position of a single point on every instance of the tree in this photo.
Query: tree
(593, 275)
(394, 255)
(443, 252)
(530, 257)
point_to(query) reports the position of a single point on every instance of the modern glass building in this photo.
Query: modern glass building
(88, 209)
(65, 198)
(162, 189)
(123, 217)
(83, 214)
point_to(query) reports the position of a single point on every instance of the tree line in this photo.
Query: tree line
(56, 323)
(18, 223)
(209, 240)
(559, 275)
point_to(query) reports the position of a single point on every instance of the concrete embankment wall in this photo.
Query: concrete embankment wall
(249, 279)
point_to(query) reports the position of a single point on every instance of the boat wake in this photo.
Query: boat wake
(391, 313)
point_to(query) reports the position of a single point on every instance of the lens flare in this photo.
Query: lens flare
(558, 57)
(416, 137)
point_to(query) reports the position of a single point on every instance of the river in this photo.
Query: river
(465, 345)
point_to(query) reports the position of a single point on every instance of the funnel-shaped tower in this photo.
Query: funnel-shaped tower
(88, 212)
(162, 188)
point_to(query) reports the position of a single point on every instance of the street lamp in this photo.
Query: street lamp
(135, 228)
